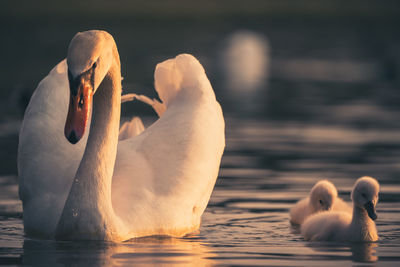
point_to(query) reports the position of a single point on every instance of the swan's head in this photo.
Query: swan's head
(323, 195)
(90, 55)
(365, 195)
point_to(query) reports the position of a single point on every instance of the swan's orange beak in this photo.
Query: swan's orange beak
(80, 103)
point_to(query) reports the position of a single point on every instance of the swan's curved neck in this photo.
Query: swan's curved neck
(360, 215)
(361, 222)
(88, 212)
(97, 165)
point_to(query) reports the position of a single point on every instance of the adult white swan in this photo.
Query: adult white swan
(155, 183)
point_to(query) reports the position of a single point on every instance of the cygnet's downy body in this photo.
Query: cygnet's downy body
(342, 226)
(323, 197)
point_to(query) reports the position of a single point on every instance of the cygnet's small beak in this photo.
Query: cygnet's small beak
(328, 207)
(80, 103)
(369, 206)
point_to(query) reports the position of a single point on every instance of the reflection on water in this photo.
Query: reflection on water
(152, 250)
(327, 70)
(266, 168)
(358, 252)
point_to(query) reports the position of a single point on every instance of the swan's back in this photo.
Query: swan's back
(164, 177)
(46, 161)
(300, 211)
(341, 205)
(327, 226)
(338, 226)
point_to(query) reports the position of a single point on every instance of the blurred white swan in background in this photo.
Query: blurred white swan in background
(245, 64)
(342, 226)
(152, 182)
(323, 196)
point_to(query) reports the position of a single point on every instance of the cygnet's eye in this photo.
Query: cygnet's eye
(320, 202)
(94, 65)
(363, 195)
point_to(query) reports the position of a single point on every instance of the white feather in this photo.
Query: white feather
(131, 128)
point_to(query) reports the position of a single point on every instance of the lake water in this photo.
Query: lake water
(266, 168)
(324, 106)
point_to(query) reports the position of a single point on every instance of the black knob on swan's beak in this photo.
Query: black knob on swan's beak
(72, 138)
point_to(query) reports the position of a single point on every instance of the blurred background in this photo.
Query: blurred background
(331, 61)
(310, 89)
(338, 49)
(280, 59)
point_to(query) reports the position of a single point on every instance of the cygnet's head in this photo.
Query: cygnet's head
(323, 195)
(90, 55)
(365, 195)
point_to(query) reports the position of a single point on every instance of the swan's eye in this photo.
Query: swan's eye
(320, 202)
(363, 195)
(81, 101)
(94, 65)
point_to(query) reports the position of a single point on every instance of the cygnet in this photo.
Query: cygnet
(342, 226)
(323, 196)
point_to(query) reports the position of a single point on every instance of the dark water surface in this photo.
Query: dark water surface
(267, 166)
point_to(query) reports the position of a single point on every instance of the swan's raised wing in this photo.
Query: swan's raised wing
(158, 107)
(47, 162)
(131, 128)
(163, 178)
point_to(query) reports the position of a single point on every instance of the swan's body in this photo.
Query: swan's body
(162, 178)
(323, 196)
(343, 226)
